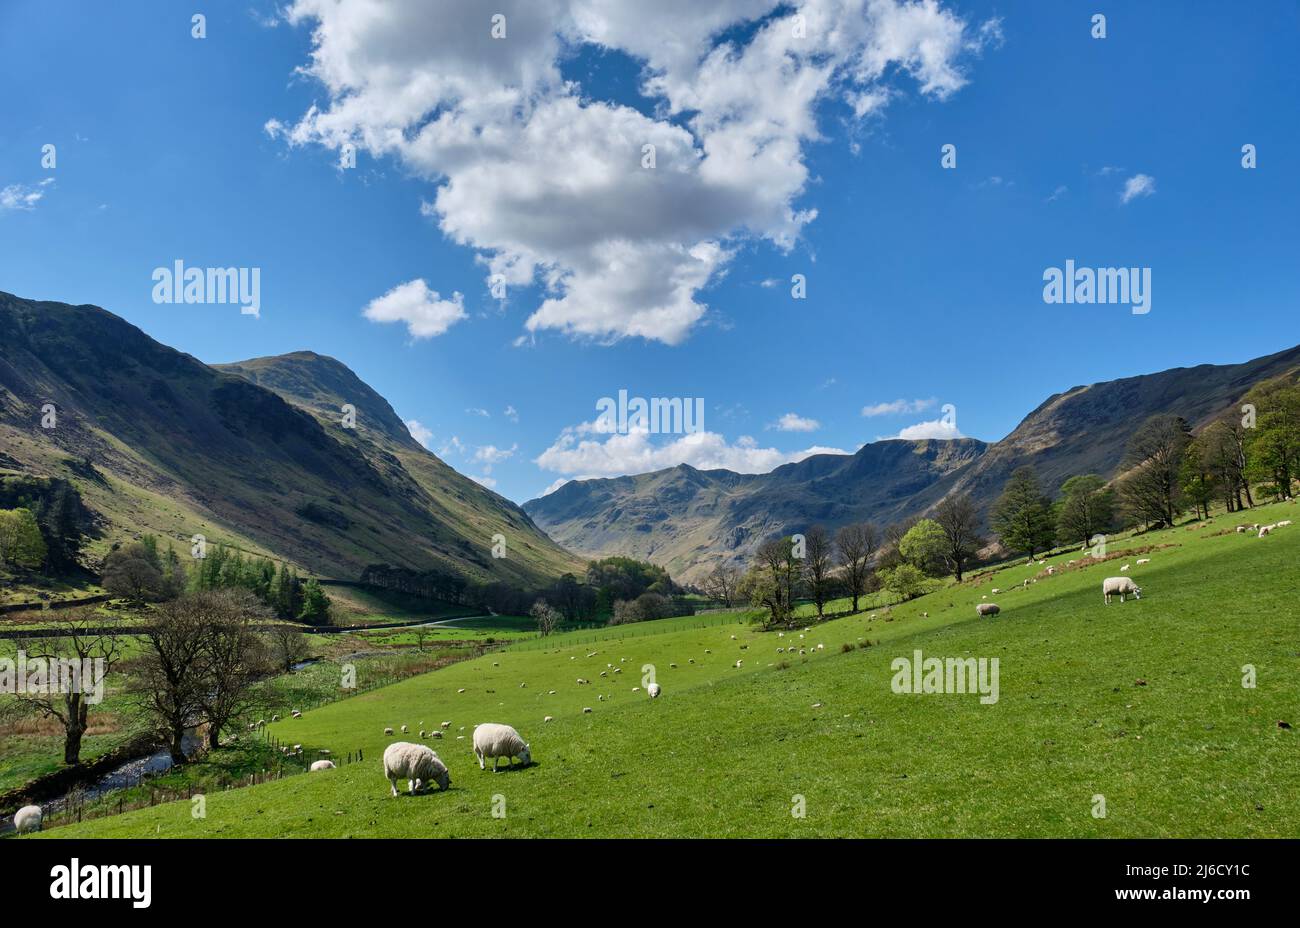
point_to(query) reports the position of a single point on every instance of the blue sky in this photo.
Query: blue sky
(923, 284)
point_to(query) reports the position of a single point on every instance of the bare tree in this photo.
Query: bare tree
(721, 584)
(775, 578)
(817, 563)
(235, 657)
(171, 677)
(287, 645)
(1150, 489)
(546, 616)
(76, 663)
(959, 520)
(856, 545)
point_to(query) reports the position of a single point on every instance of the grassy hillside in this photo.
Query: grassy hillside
(1141, 703)
(157, 441)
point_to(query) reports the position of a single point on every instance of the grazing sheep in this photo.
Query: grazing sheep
(275, 718)
(1124, 568)
(388, 731)
(497, 741)
(1051, 571)
(672, 666)
(586, 710)
(653, 690)
(422, 733)
(446, 724)
(995, 591)
(604, 673)
(925, 615)
(582, 682)
(28, 818)
(1242, 528)
(549, 718)
(636, 689)
(1026, 584)
(1143, 560)
(523, 686)
(405, 729)
(461, 690)
(1283, 523)
(417, 764)
(738, 663)
(436, 733)
(1266, 530)
(983, 609)
(296, 714)
(1119, 586)
(322, 765)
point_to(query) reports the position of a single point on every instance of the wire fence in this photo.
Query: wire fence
(622, 632)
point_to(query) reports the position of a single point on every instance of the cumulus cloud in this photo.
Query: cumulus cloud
(484, 480)
(793, 422)
(489, 455)
(635, 452)
(550, 186)
(419, 432)
(511, 413)
(898, 407)
(453, 445)
(1139, 185)
(425, 313)
(935, 428)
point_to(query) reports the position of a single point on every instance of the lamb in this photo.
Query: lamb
(497, 741)
(417, 763)
(549, 718)
(28, 818)
(322, 765)
(1119, 586)
(983, 609)
(653, 690)
(586, 710)
(1283, 523)
(388, 731)
(436, 733)
(1266, 530)
(405, 729)
(1124, 568)
(1144, 560)
(446, 724)
(996, 591)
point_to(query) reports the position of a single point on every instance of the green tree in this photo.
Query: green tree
(21, 542)
(923, 547)
(1087, 509)
(904, 581)
(315, 604)
(1022, 516)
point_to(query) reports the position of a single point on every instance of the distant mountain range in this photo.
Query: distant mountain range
(688, 520)
(252, 454)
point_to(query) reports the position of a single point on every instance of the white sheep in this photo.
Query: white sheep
(1266, 530)
(296, 714)
(405, 729)
(1124, 568)
(1119, 586)
(1143, 560)
(653, 690)
(417, 764)
(549, 718)
(586, 710)
(436, 733)
(983, 609)
(1283, 523)
(497, 741)
(995, 591)
(388, 731)
(28, 818)
(275, 718)
(322, 765)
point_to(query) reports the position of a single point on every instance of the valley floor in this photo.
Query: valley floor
(1135, 710)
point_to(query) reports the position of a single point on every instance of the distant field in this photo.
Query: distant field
(1140, 703)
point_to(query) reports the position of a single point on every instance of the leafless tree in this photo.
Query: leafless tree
(959, 520)
(235, 659)
(856, 545)
(721, 584)
(817, 563)
(287, 645)
(546, 616)
(1150, 489)
(85, 644)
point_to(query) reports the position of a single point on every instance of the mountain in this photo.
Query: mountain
(688, 520)
(251, 454)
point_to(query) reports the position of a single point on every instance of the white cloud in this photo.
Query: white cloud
(453, 444)
(1058, 193)
(545, 183)
(898, 407)
(792, 422)
(491, 454)
(22, 196)
(483, 480)
(419, 432)
(634, 452)
(935, 428)
(555, 485)
(511, 413)
(479, 411)
(425, 313)
(1139, 185)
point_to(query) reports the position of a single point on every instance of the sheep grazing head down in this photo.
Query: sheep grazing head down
(526, 756)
